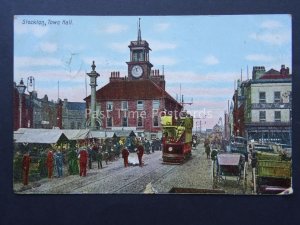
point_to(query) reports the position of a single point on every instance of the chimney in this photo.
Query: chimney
(287, 71)
(257, 72)
(282, 70)
(65, 102)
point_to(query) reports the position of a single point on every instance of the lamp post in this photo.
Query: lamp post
(21, 89)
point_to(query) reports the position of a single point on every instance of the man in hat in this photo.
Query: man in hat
(59, 163)
(99, 158)
(26, 163)
(140, 153)
(49, 163)
(125, 154)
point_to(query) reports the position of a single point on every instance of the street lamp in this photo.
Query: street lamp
(21, 89)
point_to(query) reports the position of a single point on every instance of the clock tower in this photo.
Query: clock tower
(139, 66)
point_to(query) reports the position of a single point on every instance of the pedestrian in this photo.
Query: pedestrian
(99, 158)
(72, 161)
(125, 154)
(83, 157)
(26, 164)
(147, 146)
(140, 153)
(106, 157)
(90, 152)
(59, 163)
(49, 163)
(207, 151)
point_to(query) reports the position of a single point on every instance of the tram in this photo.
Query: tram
(177, 138)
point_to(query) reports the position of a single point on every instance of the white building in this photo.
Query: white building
(268, 105)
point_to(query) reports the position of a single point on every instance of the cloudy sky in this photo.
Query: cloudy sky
(201, 55)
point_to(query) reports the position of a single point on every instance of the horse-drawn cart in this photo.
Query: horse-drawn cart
(229, 165)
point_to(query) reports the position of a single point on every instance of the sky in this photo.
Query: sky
(202, 56)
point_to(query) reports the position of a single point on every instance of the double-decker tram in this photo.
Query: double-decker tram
(177, 138)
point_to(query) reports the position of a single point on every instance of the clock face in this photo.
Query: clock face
(137, 71)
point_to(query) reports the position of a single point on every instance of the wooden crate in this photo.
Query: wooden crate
(276, 169)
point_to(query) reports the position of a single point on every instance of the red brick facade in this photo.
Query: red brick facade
(147, 92)
(142, 84)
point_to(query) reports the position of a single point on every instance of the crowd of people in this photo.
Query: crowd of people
(76, 160)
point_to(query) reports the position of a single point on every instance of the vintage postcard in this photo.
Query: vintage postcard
(152, 104)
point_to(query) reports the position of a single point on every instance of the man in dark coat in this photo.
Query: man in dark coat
(99, 158)
(140, 153)
(147, 146)
(49, 163)
(125, 154)
(90, 152)
(26, 163)
(207, 151)
(83, 157)
(59, 163)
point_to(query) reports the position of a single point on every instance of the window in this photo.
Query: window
(262, 97)
(140, 105)
(124, 105)
(262, 116)
(277, 97)
(78, 125)
(125, 122)
(72, 125)
(153, 136)
(155, 121)
(135, 57)
(277, 116)
(138, 55)
(109, 105)
(109, 122)
(155, 104)
(140, 121)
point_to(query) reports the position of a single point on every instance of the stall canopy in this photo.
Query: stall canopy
(101, 134)
(77, 134)
(40, 136)
(124, 133)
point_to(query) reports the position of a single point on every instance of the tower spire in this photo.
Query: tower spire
(139, 39)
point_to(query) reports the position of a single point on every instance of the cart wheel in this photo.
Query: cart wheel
(254, 180)
(213, 173)
(244, 178)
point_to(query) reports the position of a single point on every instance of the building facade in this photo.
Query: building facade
(73, 115)
(42, 113)
(136, 100)
(264, 106)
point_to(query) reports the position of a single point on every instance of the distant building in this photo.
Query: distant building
(73, 115)
(42, 113)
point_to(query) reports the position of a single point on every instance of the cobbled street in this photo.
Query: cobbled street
(115, 178)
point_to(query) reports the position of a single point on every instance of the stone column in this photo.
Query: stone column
(93, 83)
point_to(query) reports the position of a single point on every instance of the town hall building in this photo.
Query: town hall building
(136, 100)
